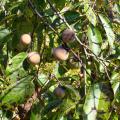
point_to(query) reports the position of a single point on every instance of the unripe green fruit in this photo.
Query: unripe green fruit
(60, 53)
(68, 35)
(59, 92)
(33, 58)
(25, 39)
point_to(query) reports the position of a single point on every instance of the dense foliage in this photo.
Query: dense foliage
(82, 85)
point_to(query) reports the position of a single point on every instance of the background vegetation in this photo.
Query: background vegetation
(89, 78)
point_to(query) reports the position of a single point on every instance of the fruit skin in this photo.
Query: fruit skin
(59, 92)
(60, 53)
(33, 58)
(25, 39)
(68, 35)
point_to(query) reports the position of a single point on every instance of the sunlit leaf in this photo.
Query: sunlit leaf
(90, 13)
(97, 103)
(95, 39)
(42, 79)
(18, 92)
(108, 29)
(16, 62)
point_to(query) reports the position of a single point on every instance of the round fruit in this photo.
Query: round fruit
(25, 39)
(60, 53)
(59, 92)
(33, 58)
(68, 35)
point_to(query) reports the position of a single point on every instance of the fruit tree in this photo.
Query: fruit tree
(59, 59)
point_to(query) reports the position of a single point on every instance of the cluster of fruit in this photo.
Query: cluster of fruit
(25, 41)
(61, 52)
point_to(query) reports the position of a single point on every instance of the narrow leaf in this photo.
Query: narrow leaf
(95, 39)
(90, 13)
(109, 32)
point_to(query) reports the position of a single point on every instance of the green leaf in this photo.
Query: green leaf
(59, 70)
(36, 111)
(15, 63)
(51, 105)
(114, 116)
(66, 106)
(116, 8)
(115, 81)
(20, 73)
(73, 93)
(18, 92)
(109, 32)
(72, 16)
(22, 25)
(3, 115)
(59, 4)
(98, 102)
(90, 13)
(42, 79)
(4, 35)
(95, 39)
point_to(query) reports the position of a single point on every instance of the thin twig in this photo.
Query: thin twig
(40, 16)
(64, 20)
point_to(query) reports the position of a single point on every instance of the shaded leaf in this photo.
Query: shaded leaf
(114, 116)
(4, 35)
(59, 4)
(36, 111)
(73, 93)
(66, 106)
(71, 16)
(59, 70)
(51, 105)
